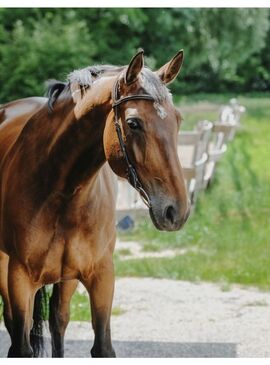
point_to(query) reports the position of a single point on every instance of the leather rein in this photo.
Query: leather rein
(130, 171)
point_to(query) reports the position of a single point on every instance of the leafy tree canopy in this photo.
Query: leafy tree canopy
(225, 49)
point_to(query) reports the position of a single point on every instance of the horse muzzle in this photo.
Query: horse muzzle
(169, 216)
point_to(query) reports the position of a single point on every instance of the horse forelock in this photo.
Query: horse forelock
(153, 86)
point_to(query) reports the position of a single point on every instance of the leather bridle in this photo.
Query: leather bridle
(130, 171)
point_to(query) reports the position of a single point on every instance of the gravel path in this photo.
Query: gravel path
(168, 318)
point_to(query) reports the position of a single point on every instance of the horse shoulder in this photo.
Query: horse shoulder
(13, 117)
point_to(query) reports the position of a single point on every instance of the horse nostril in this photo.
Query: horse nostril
(170, 214)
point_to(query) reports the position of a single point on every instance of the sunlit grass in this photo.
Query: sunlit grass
(124, 252)
(80, 308)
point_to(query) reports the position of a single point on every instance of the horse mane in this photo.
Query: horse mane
(2, 114)
(85, 77)
(54, 89)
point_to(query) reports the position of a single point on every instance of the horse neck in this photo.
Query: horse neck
(72, 144)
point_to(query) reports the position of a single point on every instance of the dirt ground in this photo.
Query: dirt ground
(168, 318)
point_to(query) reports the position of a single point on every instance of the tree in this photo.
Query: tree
(225, 49)
(51, 49)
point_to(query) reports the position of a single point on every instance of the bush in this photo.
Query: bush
(50, 50)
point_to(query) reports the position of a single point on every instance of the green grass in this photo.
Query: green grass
(124, 252)
(80, 308)
(231, 225)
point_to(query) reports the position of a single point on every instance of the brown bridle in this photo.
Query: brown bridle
(130, 171)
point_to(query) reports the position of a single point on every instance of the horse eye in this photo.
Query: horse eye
(133, 123)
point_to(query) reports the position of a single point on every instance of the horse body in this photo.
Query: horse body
(58, 193)
(57, 233)
(50, 229)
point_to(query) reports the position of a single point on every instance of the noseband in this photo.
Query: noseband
(130, 171)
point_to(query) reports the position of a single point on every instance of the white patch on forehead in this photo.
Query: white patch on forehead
(132, 111)
(161, 112)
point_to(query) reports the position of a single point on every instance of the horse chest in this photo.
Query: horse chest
(68, 254)
(57, 247)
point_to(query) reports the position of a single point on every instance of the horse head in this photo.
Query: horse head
(148, 125)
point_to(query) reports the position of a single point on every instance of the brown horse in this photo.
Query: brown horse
(57, 193)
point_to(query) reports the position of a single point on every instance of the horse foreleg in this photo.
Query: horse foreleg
(21, 293)
(4, 291)
(100, 288)
(59, 314)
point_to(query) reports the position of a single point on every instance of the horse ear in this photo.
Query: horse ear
(170, 70)
(134, 68)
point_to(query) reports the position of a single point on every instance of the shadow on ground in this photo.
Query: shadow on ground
(133, 349)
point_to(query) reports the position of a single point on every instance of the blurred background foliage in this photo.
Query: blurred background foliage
(226, 50)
